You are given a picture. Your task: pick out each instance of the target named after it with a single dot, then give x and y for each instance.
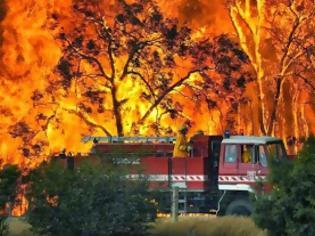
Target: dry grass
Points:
(207, 226)
(186, 226)
(18, 227)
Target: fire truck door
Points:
(229, 160)
(214, 154)
(248, 161)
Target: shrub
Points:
(8, 190)
(289, 208)
(89, 200)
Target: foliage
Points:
(232, 226)
(110, 50)
(89, 200)
(8, 190)
(289, 208)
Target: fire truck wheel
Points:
(240, 207)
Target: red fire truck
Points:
(218, 176)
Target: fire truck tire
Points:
(240, 207)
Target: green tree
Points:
(89, 200)
(289, 209)
(8, 190)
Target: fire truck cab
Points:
(244, 161)
(218, 176)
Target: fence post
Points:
(175, 204)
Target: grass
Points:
(186, 226)
(18, 227)
(207, 226)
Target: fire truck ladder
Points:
(182, 202)
(182, 190)
(135, 139)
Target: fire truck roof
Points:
(250, 139)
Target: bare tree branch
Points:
(88, 121)
(169, 90)
(137, 49)
(109, 39)
(306, 81)
(90, 58)
(144, 81)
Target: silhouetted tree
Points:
(112, 51)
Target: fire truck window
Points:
(230, 153)
(281, 152)
(262, 156)
(159, 154)
(248, 154)
(275, 151)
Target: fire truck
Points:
(218, 176)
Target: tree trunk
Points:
(261, 114)
(244, 20)
(296, 126)
(306, 131)
(116, 110)
(273, 115)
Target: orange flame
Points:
(48, 124)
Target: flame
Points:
(248, 27)
(21, 207)
(266, 37)
(34, 125)
(47, 124)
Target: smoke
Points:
(3, 10)
(200, 11)
(211, 14)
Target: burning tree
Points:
(129, 64)
(293, 43)
(278, 39)
(118, 68)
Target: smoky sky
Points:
(3, 10)
(198, 10)
(199, 13)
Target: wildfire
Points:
(20, 208)
(39, 117)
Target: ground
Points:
(18, 227)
